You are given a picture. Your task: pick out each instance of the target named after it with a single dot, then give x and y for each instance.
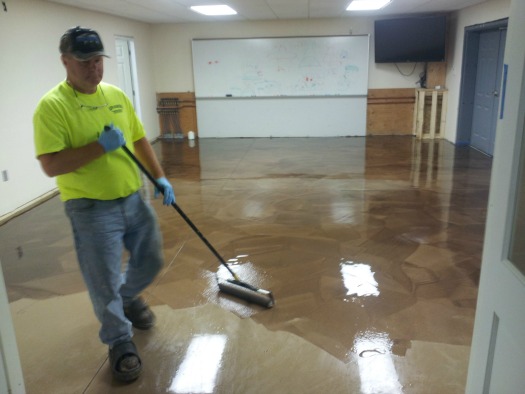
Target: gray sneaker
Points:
(139, 314)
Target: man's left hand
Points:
(169, 195)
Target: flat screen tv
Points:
(415, 39)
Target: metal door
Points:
(486, 96)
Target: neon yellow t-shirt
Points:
(60, 122)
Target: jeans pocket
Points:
(79, 205)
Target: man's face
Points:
(84, 75)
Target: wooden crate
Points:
(430, 113)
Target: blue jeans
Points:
(102, 229)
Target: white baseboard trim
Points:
(30, 205)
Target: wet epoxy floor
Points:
(371, 246)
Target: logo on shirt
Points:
(116, 109)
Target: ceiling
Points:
(177, 11)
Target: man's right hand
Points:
(111, 138)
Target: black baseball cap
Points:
(82, 43)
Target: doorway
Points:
(480, 84)
(127, 70)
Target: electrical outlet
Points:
(5, 177)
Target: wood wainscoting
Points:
(390, 111)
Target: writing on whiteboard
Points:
(300, 66)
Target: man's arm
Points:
(146, 155)
(70, 159)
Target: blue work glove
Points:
(169, 195)
(111, 138)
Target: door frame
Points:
(11, 376)
(469, 75)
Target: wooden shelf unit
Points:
(177, 113)
(430, 113)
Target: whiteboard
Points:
(282, 66)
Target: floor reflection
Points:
(201, 364)
(371, 247)
(377, 372)
(359, 279)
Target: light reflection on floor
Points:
(377, 372)
(201, 364)
(359, 279)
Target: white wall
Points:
(30, 65)
(485, 12)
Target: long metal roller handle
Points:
(179, 210)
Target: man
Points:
(79, 127)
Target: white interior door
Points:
(126, 70)
(125, 80)
(497, 360)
